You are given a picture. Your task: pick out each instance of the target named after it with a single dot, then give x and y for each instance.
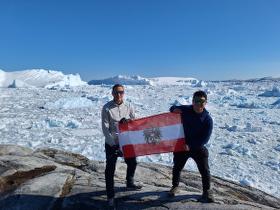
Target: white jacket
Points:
(112, 113)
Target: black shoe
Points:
(207, 197)
(111, 204)
(133, 186)
(174, 190)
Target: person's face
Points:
(118, 94)
(199, 104)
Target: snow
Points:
(174, 81)
(236, 150)
(18, 84)
(277, 148)
(182, 101)
(69, 103)
(276, 104)
(242, 128)
(39, 78)
(67, 81)
(244, 146)
(51, 123)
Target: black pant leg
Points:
(201, 158)
(111, 159)
(130, 171)
(179, 161)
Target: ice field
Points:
(244, 146)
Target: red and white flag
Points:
(152, 135)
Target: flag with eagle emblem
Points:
(152, 135)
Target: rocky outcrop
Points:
(53, 179)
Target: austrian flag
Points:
(152, 135)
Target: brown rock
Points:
(53, 179)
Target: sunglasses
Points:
(199, 100)
(118, 92)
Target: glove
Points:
(117, 151)
(172, 108)
(124, 120)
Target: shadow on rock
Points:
(93, 200)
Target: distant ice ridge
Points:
(137, 80)
(177, 81)
(275, 92)
(121, 79)
(55, 79)
(232, 97)
(39, 78)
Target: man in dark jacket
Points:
(198, 126)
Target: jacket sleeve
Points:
(131, 112)
(109, 138)
(204, 136)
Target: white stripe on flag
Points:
(170, 132)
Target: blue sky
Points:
(205, 39)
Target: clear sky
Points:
(205, 39)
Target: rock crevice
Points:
(12, 181)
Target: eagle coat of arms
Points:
(152, 135)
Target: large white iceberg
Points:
(38, 78)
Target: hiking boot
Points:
(111, 204)
(207, 197)
(132, 186)
(174, 190)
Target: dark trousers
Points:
(200, 156)
(111, 159)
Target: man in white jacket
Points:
(113, 112)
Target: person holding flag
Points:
(198, 125)
(114, 112)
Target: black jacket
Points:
(197, 127)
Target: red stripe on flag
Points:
(159, 120)
(134, 150)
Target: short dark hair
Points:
(116, 86)
(200, 94)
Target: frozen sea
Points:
(244, 146)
